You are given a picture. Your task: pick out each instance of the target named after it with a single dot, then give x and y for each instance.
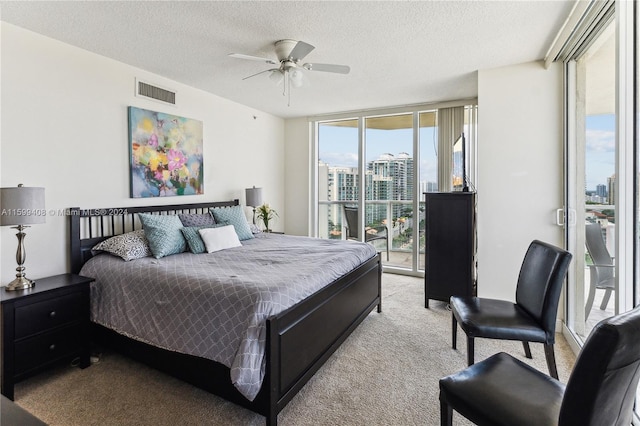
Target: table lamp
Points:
(21, 206)
(254, 199)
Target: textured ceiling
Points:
(400, 52)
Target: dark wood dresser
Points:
(44, 325)
(450, 252)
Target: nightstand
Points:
(44, 325)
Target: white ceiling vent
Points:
(150, 91)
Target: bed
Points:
(298, 339)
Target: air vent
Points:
(156, 93)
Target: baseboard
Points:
(571, 339)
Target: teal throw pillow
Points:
(235, 216)
(194, 240)
(163, 233)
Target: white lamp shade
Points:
(276, 76)
(253, 196)
(22, 206)
(296, 77)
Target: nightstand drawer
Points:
(47, 347)
(42, 316)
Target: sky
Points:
(339, 147)
(600, 150)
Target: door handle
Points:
(566, 217)
(560, 217)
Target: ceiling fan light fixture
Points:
(296, 77)
(276, 76)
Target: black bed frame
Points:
(299, 340)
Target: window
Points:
(382, 163)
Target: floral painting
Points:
(166, 154)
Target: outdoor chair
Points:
(601, 272)
(377, 233)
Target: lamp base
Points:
(20, 283)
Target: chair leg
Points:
(527, 349)
(446, 414)
(454, 332)
(470, 350)
(551, 360)
(605, 298)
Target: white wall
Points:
(64, 127)
(297, 176)
(520, 169)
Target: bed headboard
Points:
(88, 227)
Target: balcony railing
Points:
(396, 215)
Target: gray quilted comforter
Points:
(215, 305)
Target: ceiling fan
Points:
(290, 54)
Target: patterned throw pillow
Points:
(163, 233)
(235, 216)
(197, 219)
(129, 246)
(194, 240)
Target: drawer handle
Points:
(52, 314)
(52, 347)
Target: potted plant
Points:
(266, 214)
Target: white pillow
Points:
(216, 239)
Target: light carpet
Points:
(385, 373)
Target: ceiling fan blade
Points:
(300, 50)
(261, 72)
(340, 69)
(253, 58)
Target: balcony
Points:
(396, 216)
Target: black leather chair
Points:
(532, 318)
(601, 390)
(351, 217)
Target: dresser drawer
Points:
(44, 348)
(42, 316)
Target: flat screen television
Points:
(459, 173)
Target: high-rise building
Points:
(400, 170)
(611, 187)
(427, 187)
(601, 190)
(387, 178)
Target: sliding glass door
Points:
(592, 222)
(602, 168)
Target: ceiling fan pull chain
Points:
(286, 82)
(288, 90)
